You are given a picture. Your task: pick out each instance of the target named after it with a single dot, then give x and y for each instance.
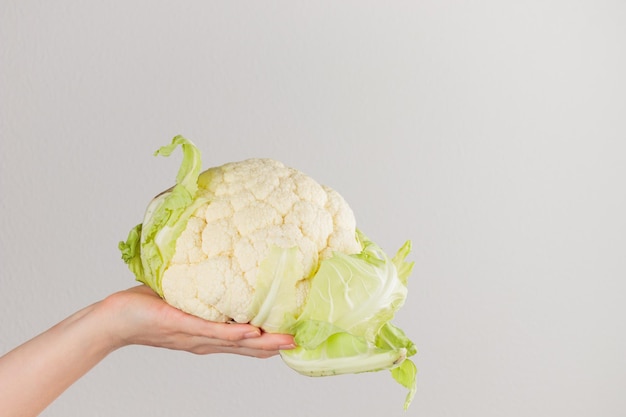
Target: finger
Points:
(224, 331)
(255, 353)
(264, 346)
(270, 341)
(184, 323)
(236, 350)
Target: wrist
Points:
(108, 314)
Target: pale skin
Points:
(34, 374)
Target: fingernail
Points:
(286, 347)
(250, 335)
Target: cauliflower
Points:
(251, 206)
(258, 242)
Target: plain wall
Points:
(489, 133)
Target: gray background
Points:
(489, 133)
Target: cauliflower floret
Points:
(252, 205)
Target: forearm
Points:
(37, 372)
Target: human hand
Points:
(139, 316)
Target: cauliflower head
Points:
(203, 242)
(258, 242)
(251, 206)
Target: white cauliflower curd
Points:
(251, 206)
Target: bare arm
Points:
(37, 372)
